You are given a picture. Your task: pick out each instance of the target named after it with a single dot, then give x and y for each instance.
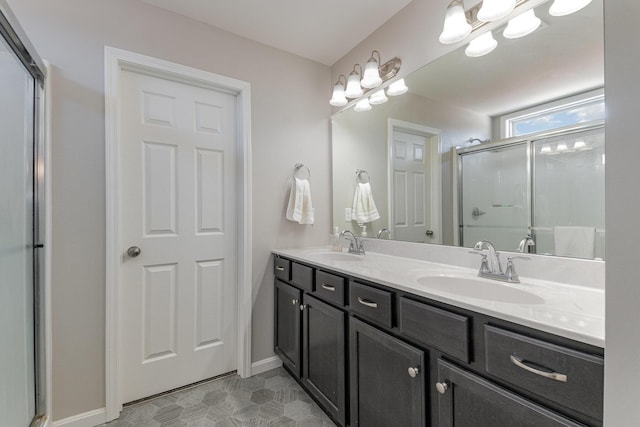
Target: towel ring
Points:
(362, 176)
(297, 169)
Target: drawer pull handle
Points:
(328, 287)
(551, 375)
(367, 302)
(278, 268)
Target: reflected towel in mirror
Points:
(574, 241)
(300, 208)
(364, 208)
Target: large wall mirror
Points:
(419, 155)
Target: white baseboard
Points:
(88, 419)
(265, 365)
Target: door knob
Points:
(442, 387)
(134, 251)
(413, 372)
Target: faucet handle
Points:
(510, 270)
(484, 262)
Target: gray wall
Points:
(421, 22)
(289, 124)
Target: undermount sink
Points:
(334, 256)
(481, 289)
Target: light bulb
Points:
(354, 90)
(493, 10)
(456, 27)
(522, 25)
(481, 45)
(338, 99)
(378, 97)
(362, 105)
(371, 76)
(566, 7)
(397, 88)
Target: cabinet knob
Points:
(302, 306)
(442, 387)
(294, 301)
(413, 372)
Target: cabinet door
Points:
(387, 379)
(287, 325)
(471, 401)
(324, 355)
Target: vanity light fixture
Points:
(397, 88)
(481, 45)
(521, 25)
(562, 147)
(338, 99)
(348, 89)
(378, 98)
(354, 90)
(456, 27)
(566, 7)
(579, 144)
(371, 78)
(492, 10)
(362, 105)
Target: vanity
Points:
(381, 340)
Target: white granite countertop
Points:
(570, 311)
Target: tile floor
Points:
(272, 398)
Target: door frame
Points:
(117, 61)
(435, 142)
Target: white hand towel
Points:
(364, 208)
(576, 242)
(300, 208)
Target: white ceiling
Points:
(321, 30)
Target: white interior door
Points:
(411, 187)
(177, 196)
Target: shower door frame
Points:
(21, 47)
(528, 140)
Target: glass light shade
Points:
(456, 27)
(354, 90)
(397, 88)
(566, 7)
(481, 45)
(371, 76)
(493, 10)
(579, 144)
(545, 148)
(562, 147)
(338, 99)
(378, 98)
(522, 25)
(362, 105)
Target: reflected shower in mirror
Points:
(406, 144)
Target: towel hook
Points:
(297, 168)
(360, 178)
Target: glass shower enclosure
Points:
(22, 401)
(549, 187)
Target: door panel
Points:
(177, 198)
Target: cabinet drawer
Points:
(330, 287)
(434, 327)
(372, 303)
(302, 276)
(282, 268)
(570, 378)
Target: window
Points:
(586, 108)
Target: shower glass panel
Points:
(17, 328)
(569, 191)
(494, 196)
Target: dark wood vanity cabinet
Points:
(375, 356)
(387, 379)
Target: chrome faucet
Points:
(490, 267)
(383, 230)
(525, 244)
(355, 244)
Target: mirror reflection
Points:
(497, 147)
